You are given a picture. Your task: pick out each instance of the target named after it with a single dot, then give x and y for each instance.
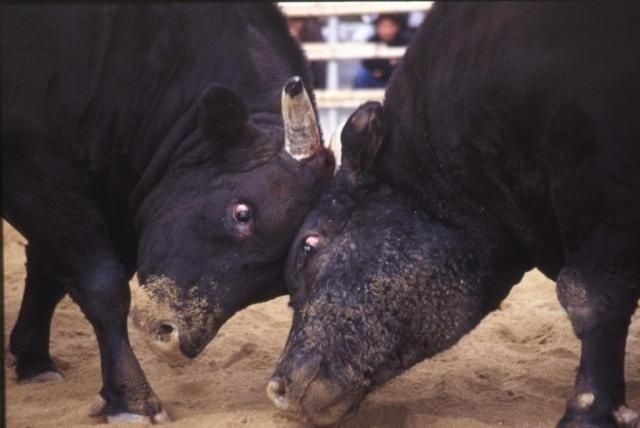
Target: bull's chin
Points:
(173, 351)
(310, 415)
(170, 352)
(330, 416)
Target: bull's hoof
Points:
(585, 421)
(44, 377)
(34, 372)
(621, 417)
(159, 418)
(128, 418)
(98, 408)
(625, 417)
(10, 359)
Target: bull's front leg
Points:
(600, 308)
(102, 292)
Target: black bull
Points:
(150, 138)
(509, 139)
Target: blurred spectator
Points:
(310, 30)
(414, 19)
(390, 29)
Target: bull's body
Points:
(524, 115)
(509, 141)
(112, 163)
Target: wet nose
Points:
(277, 393)
(303, 371)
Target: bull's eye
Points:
(310, 243)
(242, 213)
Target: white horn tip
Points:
(294, 86)
(335, 143)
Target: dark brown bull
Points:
(508, 140)
(152, 138)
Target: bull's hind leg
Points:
(600, 308)
(29, 341)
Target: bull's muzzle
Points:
(165, 329)
(312, 397)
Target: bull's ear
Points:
(222, 112)
(361, 137)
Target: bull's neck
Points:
(462, 275)
(131, 165)
(490, 258)
(471, 282)
(152, 158)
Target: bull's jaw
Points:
(177, 336)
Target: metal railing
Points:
(350, 50)
(336, 8)
(332, 99)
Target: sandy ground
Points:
(515, 370)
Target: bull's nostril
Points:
(278, 388)
(277, 393)
(166, 330)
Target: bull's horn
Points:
(301, 134)
(335, 143)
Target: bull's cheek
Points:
(360, 343)
(344, 337)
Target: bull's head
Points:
(215, 230)
(376, 283)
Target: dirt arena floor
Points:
(515, 370)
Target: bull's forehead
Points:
(276, 185)
(375, 214)
(333, 208)
(284, 181)
(375, 249)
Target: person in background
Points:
(390, 29)
(310, 30)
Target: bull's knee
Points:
(574, 297)
(594, 301)
(102, 285)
